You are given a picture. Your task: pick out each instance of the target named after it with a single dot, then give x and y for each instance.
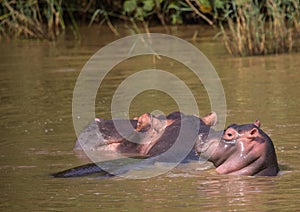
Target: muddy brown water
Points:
(37, 135)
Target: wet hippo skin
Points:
(242, 150)
(145, 136)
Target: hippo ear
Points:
(257, 123)
(97, 120)
(253, 133)
(210, 119)
(143, 122)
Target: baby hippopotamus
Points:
(242, 150)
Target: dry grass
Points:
(256, 28)
(29, 19)
(249, 27)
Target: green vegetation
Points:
(31, 19)
(248, 27)
(262, 27)
(46, 19)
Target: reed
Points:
(31, 19)
(46, 19)
(248, 27)
(261, 27)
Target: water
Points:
(37, 135)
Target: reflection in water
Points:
(234, 191)
(37, 136)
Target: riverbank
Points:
(247, 27)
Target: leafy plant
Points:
(249, 27)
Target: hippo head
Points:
(239, 150)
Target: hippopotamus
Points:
(238, 150)
(145, 136)
(242, 150)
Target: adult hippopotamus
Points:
(242, 150)
(146, 136)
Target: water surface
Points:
(37, 136)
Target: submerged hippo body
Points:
(145, 137)
(242, 150)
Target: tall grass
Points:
(261, 27)
(31, 19)
(249, 27)
(46, 19)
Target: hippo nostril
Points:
(229, 134)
